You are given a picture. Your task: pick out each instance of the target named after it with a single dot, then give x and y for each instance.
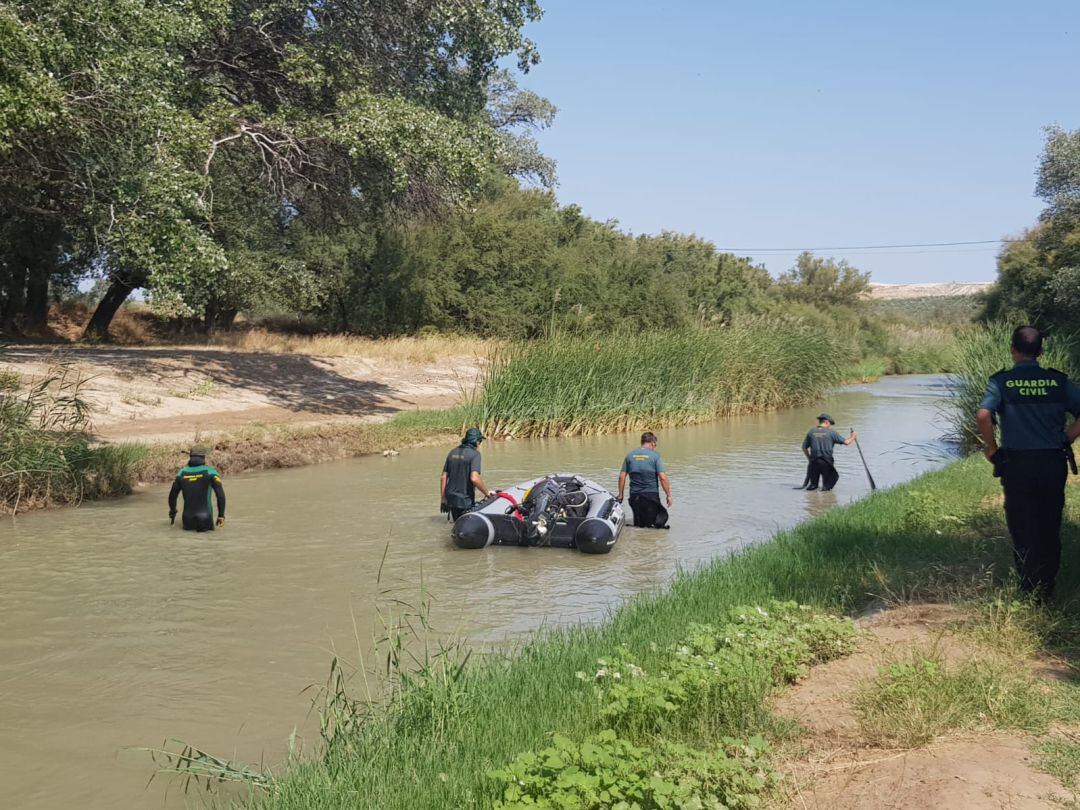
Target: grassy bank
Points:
(446, 729)
(271, 447)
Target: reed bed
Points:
(923, 349)
(980, 353)
(567, 386)
(46, 454)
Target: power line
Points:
(901, 252)
(864, 247)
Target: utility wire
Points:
(864, 247)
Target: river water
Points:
(118, 631)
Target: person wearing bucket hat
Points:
(196, 481)
(818, 449)
(461, 476)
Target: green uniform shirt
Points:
(644, 467)
(820, 440)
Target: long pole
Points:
(806, 478)
(868, 475)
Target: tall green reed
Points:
(572, 385)
(46, 450)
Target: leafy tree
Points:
(1039, 274)
(123, 120)
(520, 265)
(824, 282)
(1058, 176)
(515, 114)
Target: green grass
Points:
(1061, 759)
(869, 369)
(930, 358)
(573, 385)
(932, 538)
(922, 697)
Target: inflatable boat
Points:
(562, 510)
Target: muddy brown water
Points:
(118, 631)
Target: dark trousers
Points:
(1034, 484)
(649, 513)
(456, 511)
(821, 469)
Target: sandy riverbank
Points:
(169, 395)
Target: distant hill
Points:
(951, 289)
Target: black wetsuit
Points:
(196, 481)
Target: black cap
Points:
(825, 417)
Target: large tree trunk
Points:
(343, 314)
(36, 310)
(115, 296)
(15, 301)
(216, 317)
(226, 318)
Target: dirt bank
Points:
(169, 395)
(841, 764)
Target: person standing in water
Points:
(1031, 403)
(818, 449)
(461, 476)
(196, 481)
(645, 469)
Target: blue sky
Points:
(806, 124)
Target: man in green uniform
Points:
(1031, 403)
(196, 481)
(461, 476)
(645, 469)
(818, 448)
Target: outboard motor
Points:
(541, 510)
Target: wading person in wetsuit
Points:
(645, 469)
(818, 448)
(1030, 403)
(461, 476)
(196, 481)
